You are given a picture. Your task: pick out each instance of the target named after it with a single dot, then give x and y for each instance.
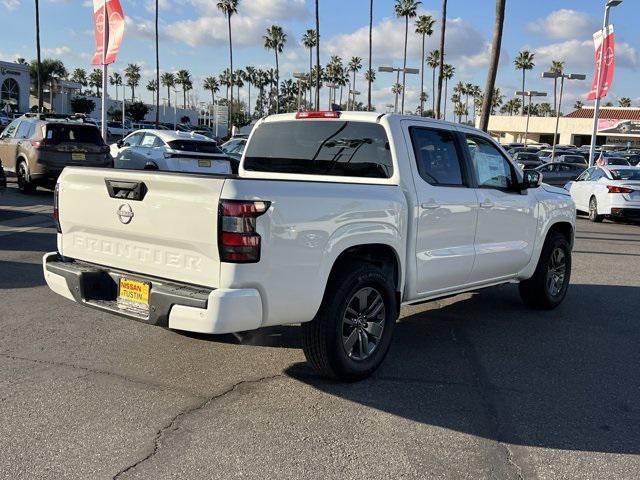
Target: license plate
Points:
(204, 163)
(133, 293)
(78, 156)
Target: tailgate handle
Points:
(126, 189)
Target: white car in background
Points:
(608, 191)
(170, 151)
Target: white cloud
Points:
(212, 31)
(580, 55)
(57, 51)
(564, 23)
(265, 10)
(150, 5)
(11, 4)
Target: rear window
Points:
(320, 147)
(574, 159)
(625, 174)
(63, 133)
(194, 146)
(528, 156)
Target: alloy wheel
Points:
(363, 323)
(556, 272)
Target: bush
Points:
(82, 105)
(137, 111)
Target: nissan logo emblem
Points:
(125, 213)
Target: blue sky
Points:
(193, 36)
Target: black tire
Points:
(24, 184)
(323, 339)
(540, 292)
(593, 211)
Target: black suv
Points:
(36, 147)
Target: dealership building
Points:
(14, 86)
(616, 126)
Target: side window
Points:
(157, 142)
(437, 156)
(23, 130)
(10, 131)
(148, 140)
(491, 168)
(545, 168)
(596, 175)
(132, 140)
(584, 176)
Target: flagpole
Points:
(105, 41)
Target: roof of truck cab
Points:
(372, 117)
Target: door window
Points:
(585, 175)
(491, 168)
(11, 129)
(132, 140)
(437, 156)
(596, 175)
(23, 130)
(148, 141)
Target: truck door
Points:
(9, 146)
(507, 220)
(447, 209)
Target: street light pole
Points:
(596, 108)
(561, 76)
(406, 70)
(529, 94)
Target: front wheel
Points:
(351, 333)
(546, 289)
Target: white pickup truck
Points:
(333, 221)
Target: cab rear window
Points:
(59, 133)
(320, 147)
(194, 146)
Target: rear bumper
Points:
(174, 305)
(629, 213)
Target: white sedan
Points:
(608, 191)
(170, 151)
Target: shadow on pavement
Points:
(20, 275)
(486, 366)
(30, 241)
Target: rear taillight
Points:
(56, 210)
(616, 189)
(38, 143)
(238, 241)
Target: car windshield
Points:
(194, 146)
(574, 159)
(625, 174)
(71, 133)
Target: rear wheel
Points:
(25, 185)
(593, 211)
(548, 286)
(351, 334)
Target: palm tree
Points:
(624, 102)
(355, 65)
(448, 71)
(318, 70)
(407, 9)
(578, 105)
(545, 110)
(249, 77)
(309, 40)
(38, 61)
(152, 86)
(476, 92)
(459, 109)
(79, 75)
(157, 80)
(183, 78)
(275, 40)
(396, 89)
(211, 84)
(556, 67)
(424, 27)
(433, 60)
(443, 23)
(115, 79)
(229, 7)
(524, 62)
(95, 80)
(132, 74)
(168, 80)
(496, 45)
(368, 75)
(239, 75)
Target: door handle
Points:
(429, 205)
(487, 204)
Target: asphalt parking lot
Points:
(474, 387)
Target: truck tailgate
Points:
(170, 232)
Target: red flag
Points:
(115, 31)
(605, 49)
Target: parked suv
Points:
(36, 147)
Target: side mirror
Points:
(531, 179)
(120, 143)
